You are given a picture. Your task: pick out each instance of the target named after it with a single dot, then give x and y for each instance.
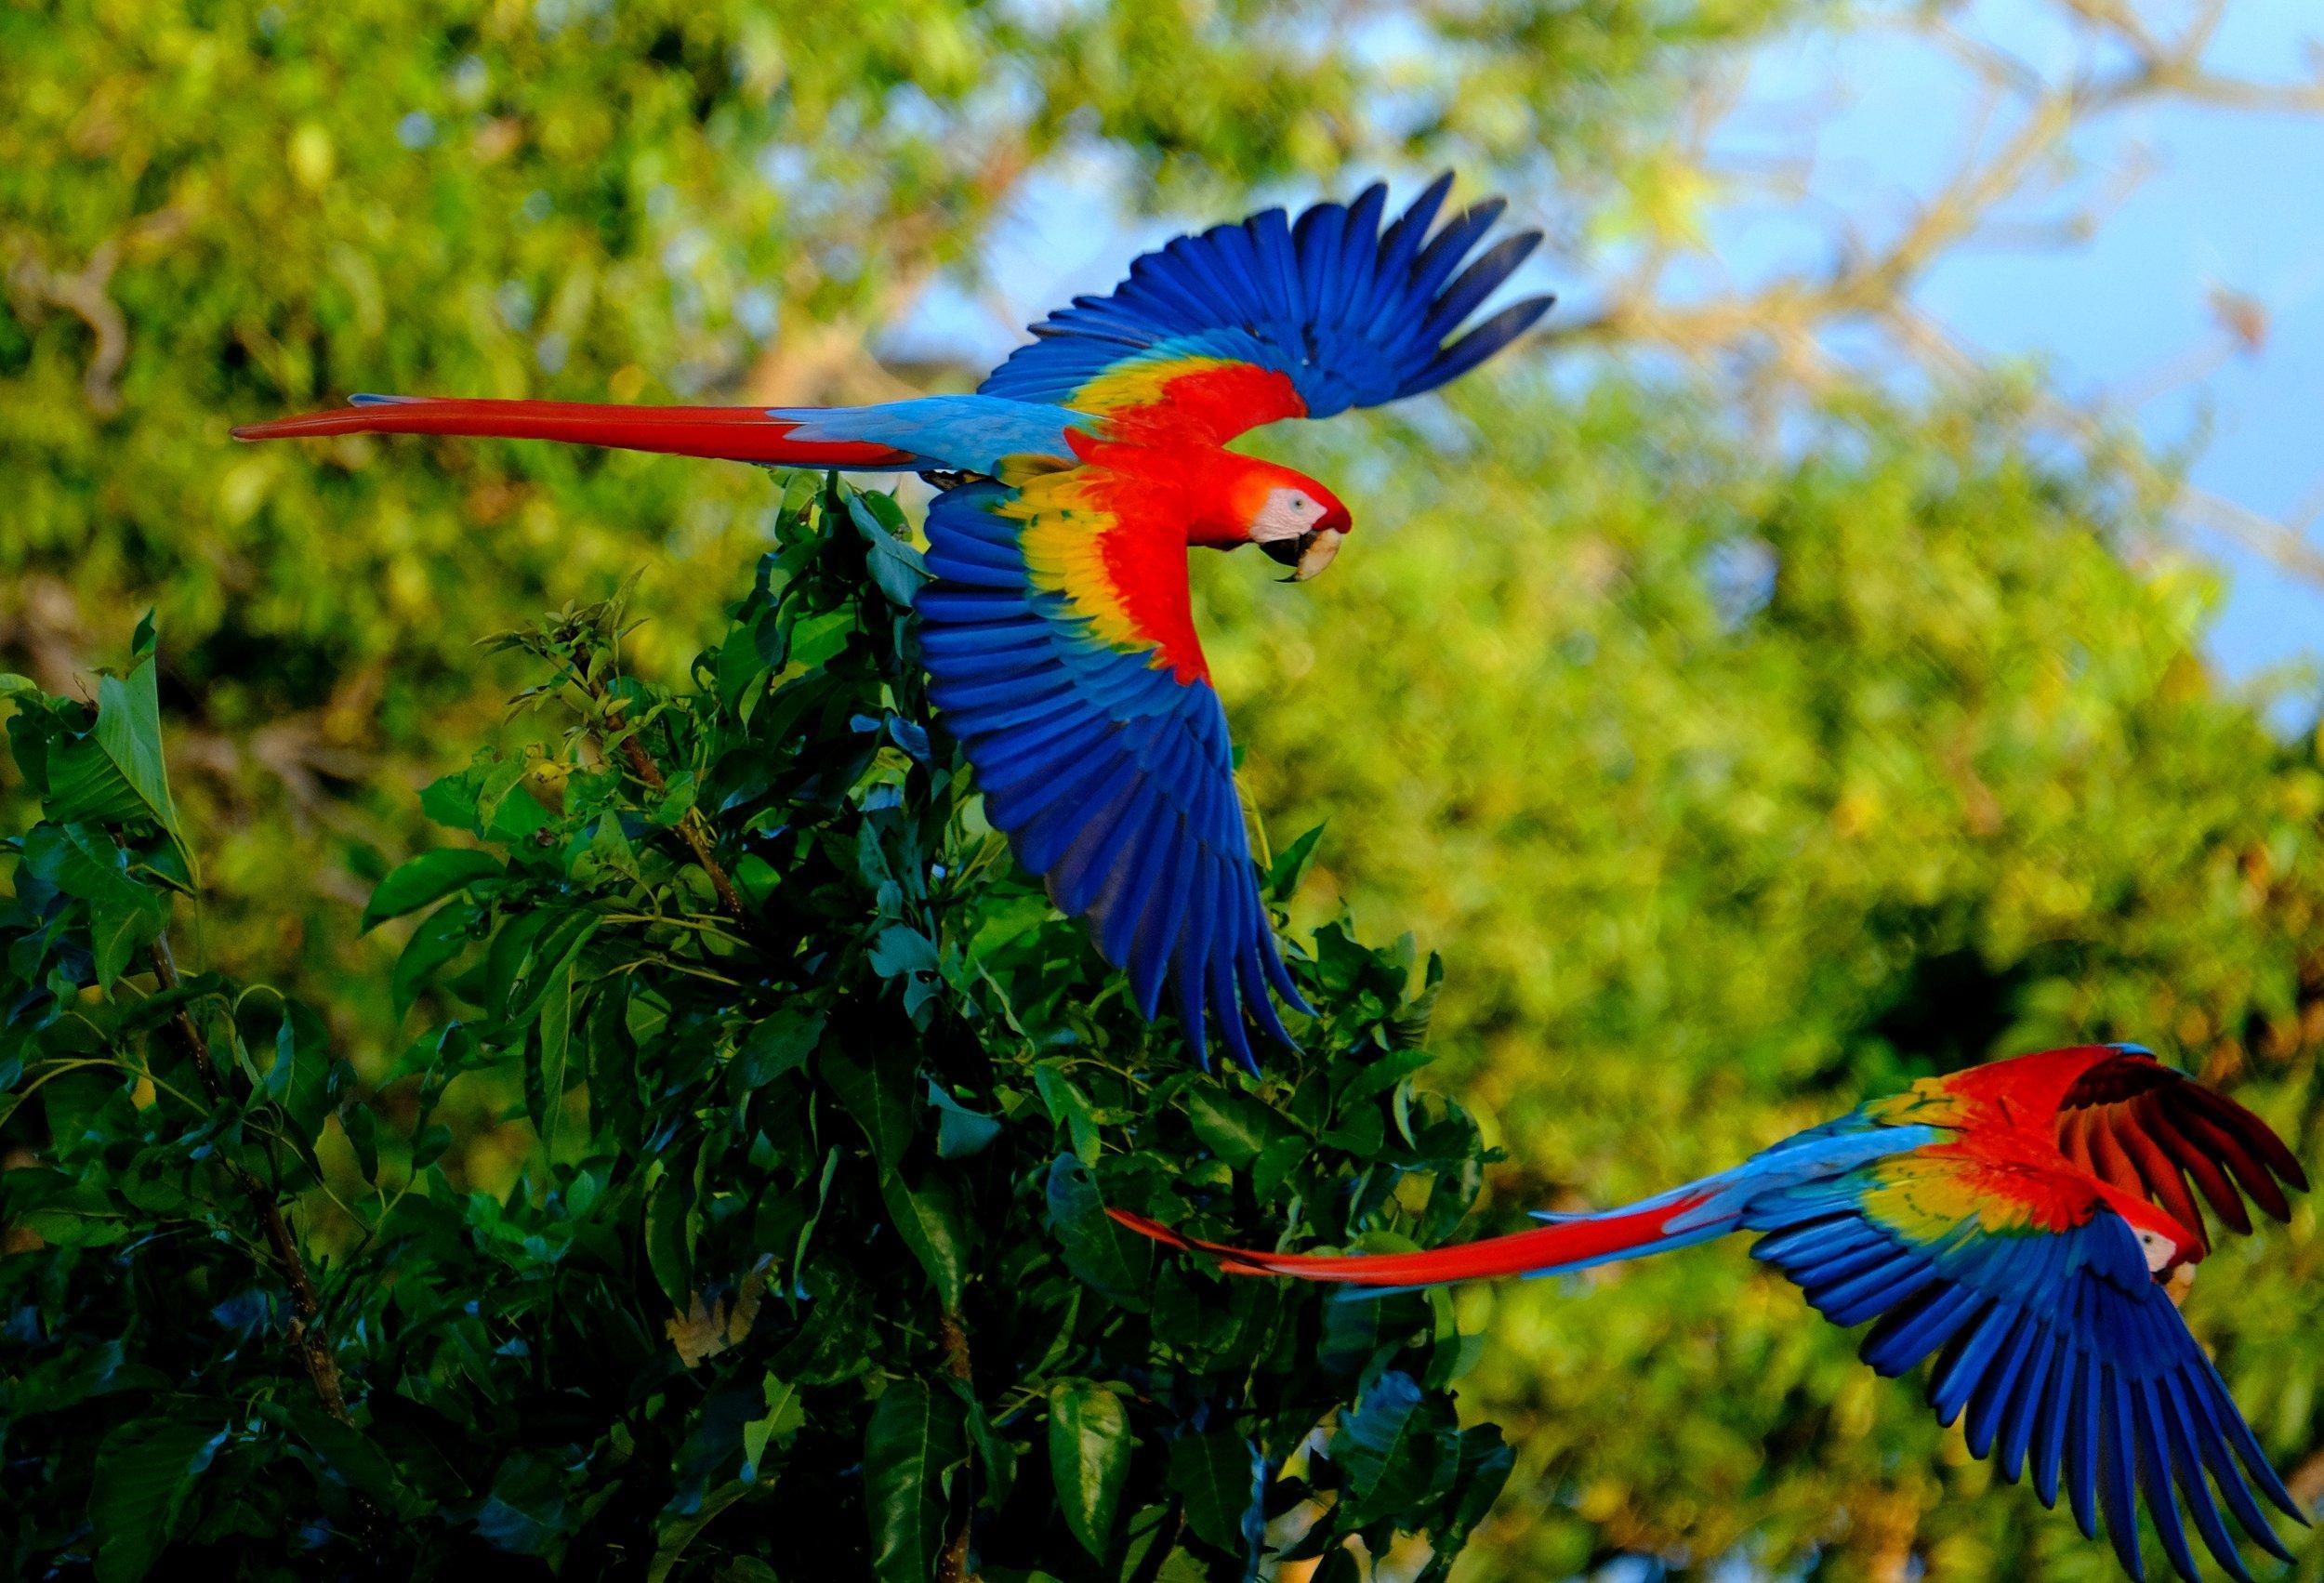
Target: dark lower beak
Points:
(1307, 554)
(1287, 551)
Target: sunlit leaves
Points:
(1089, 1455)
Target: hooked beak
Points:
(1307, 554)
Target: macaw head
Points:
(2167, 1246)
(1296, 520)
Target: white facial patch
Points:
(1287, 514)
(2159, 1249)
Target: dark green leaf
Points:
(1393, 1450)
(125, 916)
(896, 567)
(785, 1417)
(1068, 1106)
(1483, 1465)
(960, 1132)
(428, 878)
(1234, 1127)
(928, 1218)
(143, 1474)
(881, 1098)
(1291, 865)
(673, 1223)
(912, 1437)
(1218, 1477)
(1099, 1252)
(778, 1044)
(552, 1047)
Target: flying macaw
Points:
(1059, 634)
(2019, 1220)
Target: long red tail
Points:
(734, 434)
(1553, 1247)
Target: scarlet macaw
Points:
(2020, 1220)
(1059, 634)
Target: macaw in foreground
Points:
(2020, 1220)
(1059, 633)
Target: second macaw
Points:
(1059, 633)
(2018, 1222)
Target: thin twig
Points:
(693, 827)
(952, 1564)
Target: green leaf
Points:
(1481, 1470)
(673, 1223)
(1291, 865)
(1070, 1108)
(786, 1416)
(116, 774)
(144, 1471)
(679, 1531)
(1089, 1443)
(928, 1218)
(552, 1047)
(1218, 1476)
(1234, 1127)
(778, 1044)
(902, 949)
(895, 566)
(124, 916)
(302, 1075)
(881, 1099)
(913, 1436)
(1409, 1026)
(960, 1132)
(994, 1449)
(428, 878)
(441, 936)
(1097, 1252)
(1393, 1450)
(350, 1454)
(1355, 1334)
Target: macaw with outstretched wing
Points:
(1058, 632)
(2018, 1222)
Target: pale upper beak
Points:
(1307, 554)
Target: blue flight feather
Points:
(1353, 315)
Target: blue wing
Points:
(1351, 315)
(1113, 776)
(2058, 1345)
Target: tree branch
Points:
(952, 1564)
(693, 827)
(1776, 330)
(307, 1333)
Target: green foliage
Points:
(217, 213)
(1739, 788)
(807, 1236)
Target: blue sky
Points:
(2125, 320)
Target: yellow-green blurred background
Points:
(1750, 739)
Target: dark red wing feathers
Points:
(2136, 1125)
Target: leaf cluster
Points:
(811, 1106)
